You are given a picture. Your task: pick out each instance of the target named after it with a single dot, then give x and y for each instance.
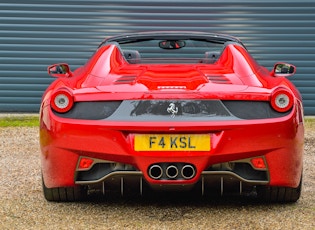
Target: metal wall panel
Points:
(35, 34)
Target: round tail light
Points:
(62, 101)
(282, 100)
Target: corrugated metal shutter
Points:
(35, 34)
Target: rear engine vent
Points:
(126, 80)
(218, 79)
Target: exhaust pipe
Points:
(188, 172)
(171, 171)
(155, 172)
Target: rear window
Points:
(171, 51)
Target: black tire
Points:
(64, 194)
(279, 194)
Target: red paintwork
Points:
(63, 141)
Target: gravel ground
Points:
(22, 205)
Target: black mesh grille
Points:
(252, 109)
(94, 110)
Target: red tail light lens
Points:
(62, 101)
(282, 100)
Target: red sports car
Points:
(172, 111)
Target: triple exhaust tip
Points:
(172, 172)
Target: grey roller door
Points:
(35, 34)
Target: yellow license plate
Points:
(172, 142)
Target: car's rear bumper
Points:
(63, 141)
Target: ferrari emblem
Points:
(172, 109)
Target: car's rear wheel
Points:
(64, 194)
(279, 194)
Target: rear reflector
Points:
(258, 163)
(85, 163)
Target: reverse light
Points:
(62, 101)
(281, 100)
(258, 163)
(85, 163)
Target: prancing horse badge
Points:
(172, 109)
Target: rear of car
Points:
(177, 112)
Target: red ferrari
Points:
(172, 111)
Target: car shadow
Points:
(177, 199)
